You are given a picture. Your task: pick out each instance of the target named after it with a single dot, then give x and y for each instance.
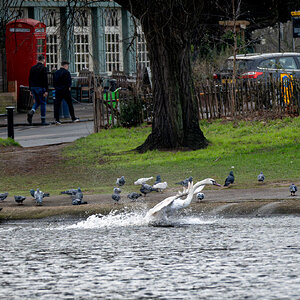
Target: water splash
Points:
(127, 218)
(113, 219)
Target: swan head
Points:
(207, 181)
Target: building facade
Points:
(100, 36)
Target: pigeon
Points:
(200, 196)
(19, 199)
(261, 177)
(230, 179)
(3, 196)
(134, 196)
(185, 182)
(146, 189)
(120, 181)
(161, 186)
(70, 192)
(46, 195)
(117, 190)
(158, 179)
(38, 196)
(293, 189)
(142, 180)
(32, 192)
(77, 198)
(116, 195)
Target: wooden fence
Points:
(247, 97)
(121, 108)
(244, 98)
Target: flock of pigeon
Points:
(37, 195)
(77, 195)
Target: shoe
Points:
(29, 117)
(57, 123)
(75, 120)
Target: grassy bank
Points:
(95, 162)
(7, 143)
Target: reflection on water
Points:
(120, 257)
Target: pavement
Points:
(37, 135)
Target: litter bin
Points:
(25, 100)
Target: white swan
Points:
(174, 203)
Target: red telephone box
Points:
(25, 40)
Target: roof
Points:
(263, 55)
(28, 21)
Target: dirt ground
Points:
(24, 160)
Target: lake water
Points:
(120, 257)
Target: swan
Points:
(174, 203)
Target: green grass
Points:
(8, 142)
(94, 162)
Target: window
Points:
(82, 40)
(142, 53)
(51, 17)
(268, 64)
(287, 63)
(113, 43)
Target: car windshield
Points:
(241, 65)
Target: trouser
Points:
(39, 100)
(60, 95)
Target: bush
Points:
(131, 111)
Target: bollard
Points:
(10, 121)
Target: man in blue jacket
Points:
(62, 82)
(38, 84)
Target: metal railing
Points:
(10, 121)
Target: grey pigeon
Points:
(120, 181)
(185, 182)
(261, 177)
(200, 196)
(134, 196)
(70, 192)
(116, 195)
(146, 189)
(32, 192)
(3, 196)
(158, 180)
(117, 190)
(19, 199)
(293, 189)
(230, 179)
(77, 198)
(38, 196)
(46, 195)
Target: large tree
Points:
(168, 26)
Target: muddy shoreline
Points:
(224, 202)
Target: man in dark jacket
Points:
(38, 84)
(62, 82)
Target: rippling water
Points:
(120, 257)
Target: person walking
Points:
(62, 82)
(38, 85)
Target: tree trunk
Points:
(175, 121)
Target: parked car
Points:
(258, 66)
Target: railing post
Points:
(10, 121)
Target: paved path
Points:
(31, 136)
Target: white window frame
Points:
(82, 49)
(53, 52)
(113, 40)
(141, 49)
